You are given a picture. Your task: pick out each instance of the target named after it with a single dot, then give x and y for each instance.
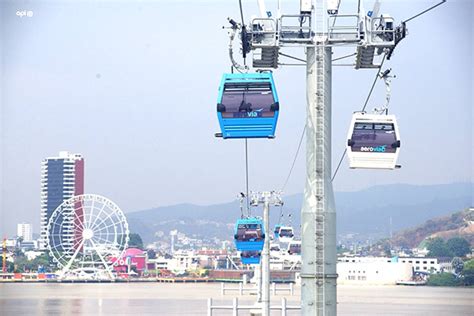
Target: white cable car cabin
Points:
(294, 247)
(373, 141)
(274, 247)
(286, 234)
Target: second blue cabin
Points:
(247, 106)
(250, 257)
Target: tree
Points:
(457, 265)
(438, 248)
(443, 279)
(468, 272)
(151, 253)
(135, 241)
(10, 267)
(387, 250)
(44, 261)
(458, 246)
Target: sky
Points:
(132, 85)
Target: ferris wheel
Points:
(85, 234)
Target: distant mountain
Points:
(361, 212)
(459, 224)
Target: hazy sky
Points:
(132, 85)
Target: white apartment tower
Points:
(25, 231)
(62, 177)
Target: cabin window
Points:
(373, 137)
(248, 100)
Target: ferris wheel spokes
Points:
(84, 234)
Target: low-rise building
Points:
(373, 272)
(383, 270)
(422, 264)
(25, 231)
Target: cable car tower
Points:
(318, 27)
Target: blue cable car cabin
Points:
(249, 234)
(276, 231)
(247, 106)
(250, 257)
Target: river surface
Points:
(191, 299)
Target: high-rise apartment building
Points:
(62, 177)
(24, 231)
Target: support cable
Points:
(363, 109)
(294, 160)
(338, 5)
(281, 214)
(304, 61)
(293, 57)
(339, 164)
(346, 56)
(373, 84)
(244, 36)
(241, 12)
(238, 67)
(425, 11)
(247, 177)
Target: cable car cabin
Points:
(276, 231)
(275, 247)
(249, 234)
(373, 141)
(286, 234)
(250, 257)
(294, 248)
(247, 106)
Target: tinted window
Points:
(373, 137)
(250, 254)
(247, 100)
(249, 232)
(286, 232)
(295, 248)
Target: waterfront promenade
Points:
(190, 299)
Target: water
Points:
(191, 299)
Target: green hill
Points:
(459, 224)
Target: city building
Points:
(24, 231)
(382, 270)
(62, 177)
(132, 262)
(423, 264)
(29, 245)
(373, 272)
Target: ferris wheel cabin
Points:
(373, 141)
(247, 106)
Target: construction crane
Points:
(4, 255)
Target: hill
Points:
(365, 212)
(459, 224)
